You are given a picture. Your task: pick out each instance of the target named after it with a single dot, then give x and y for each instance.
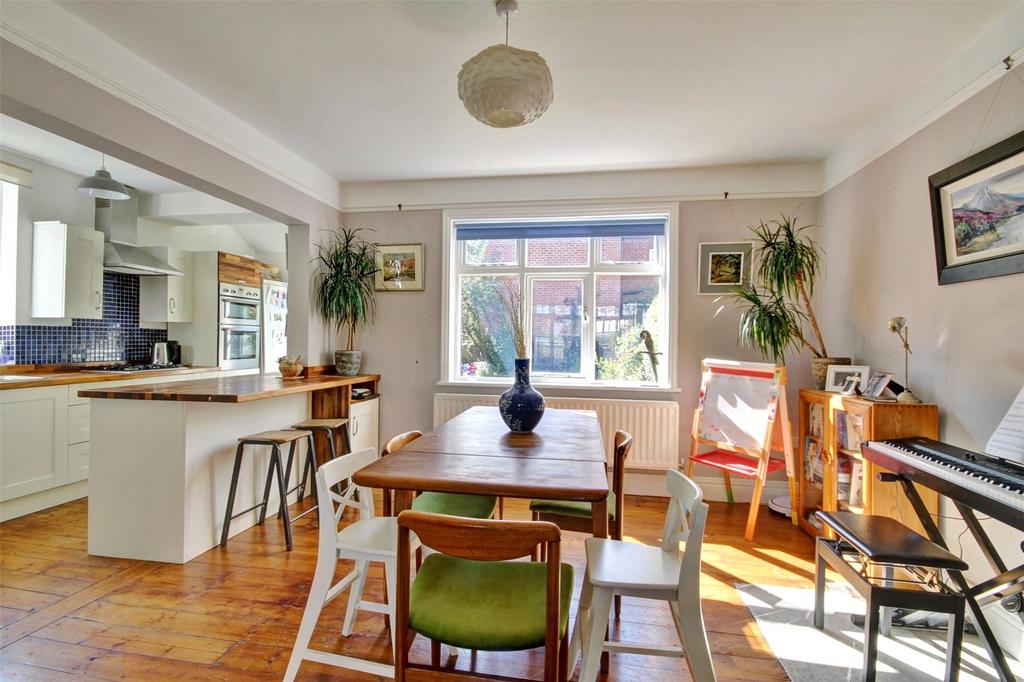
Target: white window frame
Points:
(452, 262)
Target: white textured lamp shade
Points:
(506, 87)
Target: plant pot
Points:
(348, 362)
(819, 368)
(521, 406)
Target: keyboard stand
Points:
(1005, 583)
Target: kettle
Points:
(161, 356)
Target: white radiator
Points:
(654, 424)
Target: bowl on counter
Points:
(290, 368)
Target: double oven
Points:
(240, 318)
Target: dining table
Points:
(563, 458)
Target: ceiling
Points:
(61, 152)
(367, 90)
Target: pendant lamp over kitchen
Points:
(504, 86)
(102, 186)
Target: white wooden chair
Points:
(620, 568)
(367, 539)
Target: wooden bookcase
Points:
(831, 472)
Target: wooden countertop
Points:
(60, 378)
(237, 389)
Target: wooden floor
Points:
(232, 614)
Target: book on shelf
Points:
(841, 429)
(857, 484)
(854, 432)
(815, 418)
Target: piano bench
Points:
(865, 539)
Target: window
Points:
(587, 285)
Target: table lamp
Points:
(898, 326)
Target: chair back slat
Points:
(400, 441)
(685, 521)
(480, 539)
(623, 444)
(333, 505)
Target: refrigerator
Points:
(275, 319)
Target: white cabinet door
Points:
(33, 440)
(364, 424)
(67, 271)
(168, 299)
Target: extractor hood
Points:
(120, 229)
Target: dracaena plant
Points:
(777, 303)
(344, 294)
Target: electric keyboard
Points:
(988, 484)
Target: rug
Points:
(784, 615)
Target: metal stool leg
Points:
(266, 489)
(309, 470)
(871, 618)
(819, 585)
(283, 506)
(283, 492)
(231, 495)
(954, 642)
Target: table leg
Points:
(599, 514)
(401, 500)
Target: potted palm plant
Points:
(777, 303)
(344, 294)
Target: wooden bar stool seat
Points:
(326, 427)
(322, 423)
(865, 542)
(275, 439)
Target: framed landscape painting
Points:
(723, 266)
(399, 267)
(978, 214)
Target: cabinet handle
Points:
(355, 426)
(172, 305)
(97, 301)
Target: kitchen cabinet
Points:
(364, 424)
(33, 440)
(67, 271)
(164, 298)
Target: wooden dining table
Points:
(475, 453)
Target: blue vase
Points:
(521, 406)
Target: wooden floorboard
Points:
(232, 614)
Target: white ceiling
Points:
(367, 90)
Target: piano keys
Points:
(974, 482)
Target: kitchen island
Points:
(162, 456)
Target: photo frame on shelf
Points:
(877, 383)
(723, 266)
(399, 267)
(978, 214)
(838, 374)
(850, 385)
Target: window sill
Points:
(542, 385)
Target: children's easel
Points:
(742, 414)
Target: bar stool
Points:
(327, 427)
(275, 439)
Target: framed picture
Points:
(723, 266)
(877, 384)
(850, 385)
(978, 214)
(838, 374)
(399, 267)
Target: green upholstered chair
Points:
(452, 504)
(470, 594)
(577, 515)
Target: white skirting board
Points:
(28, 504)
(652, 484)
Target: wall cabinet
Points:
(364, 424)
(67, 271)
(168, 299)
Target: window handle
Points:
(586, 315)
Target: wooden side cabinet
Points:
(833, 474)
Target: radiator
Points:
(654, 424)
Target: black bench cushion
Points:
(885, 540)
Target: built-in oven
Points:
(239, 346)
(239, 305)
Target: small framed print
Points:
(723, 266)
(838, 374)
(399, 267)
(877, 384)
(850, 385)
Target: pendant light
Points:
(102, 186)
(504, 86)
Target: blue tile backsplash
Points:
(115, 338)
